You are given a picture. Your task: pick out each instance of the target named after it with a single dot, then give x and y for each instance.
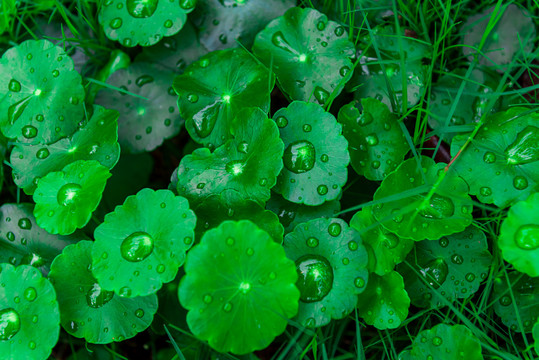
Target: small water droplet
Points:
(116, 23)
(322, 190)
(14, 85)
(520, 182)
(372, 139)
(25, 224)
(227, 307)
(339, 31)
(29, 131)
(281, 121)
(312, 242)
(334, 229)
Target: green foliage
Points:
(214, 89)
(248, 302)
(315, 155)
(142, 243)
(331, 262)
(134, 22)
(29, 315)
(309, 54)
(90, 312)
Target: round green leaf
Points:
(23, 242)
(42, 93)
(384, 303)
(214, 210)
(519, 296)
(399, 73)
(452, 267)
(470, 105)
(87, 310)
(385, 248)
(29, 316)
(519, 236)
(225, 23)
(511, 37)
(331, 262)
(309, 54)
(376, 147)
(96, 139)
(174, 53)
(315, 156)
(244, 168)
(249, 297)
(500, 164)
(143, 124)
(291, 214)
(142, 243)
(209, 100)
(144, 22)
(406, 209)
(66, 199)
(444, 342)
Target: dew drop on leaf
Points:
(29, 131)
(30, 294)
(137, 246)
(67, 195)
(334, 229)
(322, 190)
(281, 121)
(315, 279)
(435, 272)
(525, 148)
(116, 23)
(321, 95)
(278, 40)
(439, 207)
(299, 156)
(14, 85)
(25, 224)
(312, 242)
(520, 182)
(457, 259)
(527, 237)
(10, 323)
(141, 9)
(489, 157)
(97, 297)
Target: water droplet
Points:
(39, 117)
(160, 268)
(439, 207)
(505, 300)
(15, 111)
(249, 252)
(14, 85)
(299, 156)
(334, 229)
(68, 193)
(520, 182)
(143, 80)
(322, 190)
(321, 25)
(435, 272)
(25, 224)
(10, 236)
(32, 345)
(281, 121)
(168, 24)
(29, 131)
(137, 246)
(230, 241)
(142, 9)
(527, 237)
(443, 242)
(339, 31)
(489, 157)
(204, 120)
(97, 297)
(437, 341)
(227, 307)
(207, 299)
(116, 23)
(344, 71)
(375, 164)
(485, 191)
(315, 279)
(187, 4)
(243, 147)
(307, 128)
(30, 294)
(321, 95)
(235, 167)
(372, 139)
(279, 40)
(125, 291)
(457, 259)
(470, 277)
(359, 282)
(139, 313)
(312, 242)
(201, 186)
(352, 245)
(525, 148)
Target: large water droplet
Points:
(527, 237)
(14, 85)
(25, 223)
(439, 207)
(315, 277)
(67, 195)
(97, 297)
(372, 139)
(30, 294)
(29, 131)
(143, 80)
(299, 156)
(435, 272)
(279, 40)
(141, 8)
(205, 119)
(15, 111)
(42, 153)
(321, 95)
(10, 323)
(137, 246)
(334, 229)
(520, 182)
(525, 148)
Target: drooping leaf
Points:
(29, 315)
(471, 104)
(214, 89)
(375, 139)
(512, 36)
(143, 22)
(385, 248)
(87, 310)
(408, 209)
(398, 75)
(525, 292)
(519, 236)
(331, 262)
(143, 124)
(453, 266)
(142, 243)
(42, 93)
(501, 164)
(66, 199)
(315, 156)
(244, 168)
(225, 23)
(291, 214)
(248, 301)
(23, 242)
(309, 54)
(96, 139)
(384, 303)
